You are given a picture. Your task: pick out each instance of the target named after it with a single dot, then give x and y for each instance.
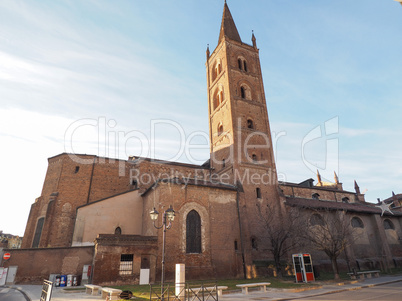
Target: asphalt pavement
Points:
(33, 292)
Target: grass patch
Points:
(393, 271)
(141, 292)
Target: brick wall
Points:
(35, 265)
(109, 249)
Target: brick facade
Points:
(225, 193)
(34, 265)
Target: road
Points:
(386, 292)
(9, 294)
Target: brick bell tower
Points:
(240, 137)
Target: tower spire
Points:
(318, 178)
(228, 26)
(254, 40)
(357, 188)
(336, 178)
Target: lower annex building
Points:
(94, 211)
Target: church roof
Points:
(228, 26)
(331, 205)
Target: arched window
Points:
(345, 199)
(236, 247)
(218, 98)
(315, 196)
(254, 243)
(242, 64)
(388, 224)
(316, 220)
(243, 92)
(220, 129)
(258, 192)
(223, 163)
(254, 157)
(218, 69)
(250, 124)
(38, 232)
(117, 231)
(357, 222)
(193, 232)
(77, 169)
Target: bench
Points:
(261, 285)
(364, 274)
(210, 289)
(126, 295)
(109, 293)
(92, 289)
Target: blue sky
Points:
(128, 63)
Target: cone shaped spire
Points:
(318, 177)
(228, 26)
(357, 188)
(336, 178)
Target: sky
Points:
(119, 78)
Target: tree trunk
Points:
(335, 268)
(278, 265)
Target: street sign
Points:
(6, 256)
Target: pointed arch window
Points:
(388, 225)
(193, 232)
(38, 232)
(117, 231)
(250, 124)
(254, 157)
(239, 63)
(245, 66)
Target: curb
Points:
(21, 291)
(338, 291)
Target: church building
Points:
(93, 214)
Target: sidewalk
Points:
(59, 294)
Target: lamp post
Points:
(167, 219)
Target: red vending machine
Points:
(303, 266)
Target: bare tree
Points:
(281, 230)
(330, 232)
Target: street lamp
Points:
(167, 219)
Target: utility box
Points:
(303, 266)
